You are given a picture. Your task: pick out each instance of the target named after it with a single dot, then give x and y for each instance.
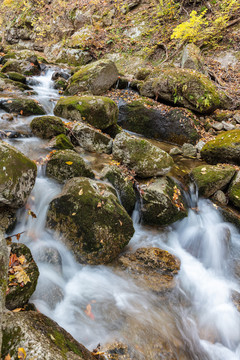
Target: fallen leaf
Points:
(99, 204)
(21, 275)
(17, 310)
(21, 112)
(88, 312)
(80, 192)
(21, 354)
(69, 162)
(8, 357)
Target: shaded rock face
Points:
(121, 179)
(61, 142)
(47, 127)
(96, 77)
(3, 278)
(41, 336)
(19, 294)
(59, 54)
(152, 266)
(176, 125)
(224, 148)
(22, 106)
(192, 59)
(9, 86)
(22, 66)
(100, 112)
(66, 164)
(186, 88)
(92, 139)
(162, 202)
(141, 156)
(97, 238)
(209, 178)
(234, 191)
(17, 176)
(7, 218)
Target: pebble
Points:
(228, 126)
(217, 126)
(189, 150)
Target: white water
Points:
(199, 321)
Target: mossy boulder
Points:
(24, 67)
(162, 202)
(100, 112)
(210, 178)
(17, 176)
(17, 77)
(66, 164)
(42, 338)
(225, 148)
(141, 156)
(95, 77)
(4, 259)
(186, 88)
(153, 267)
(91, 139)
(192, 59)
(7, 218)
(10, 87)
(122, 180)
(47, 127)
(234, 191)
(61, 142)
(91, 220)
(22, 106)
(174, 125)
(23, 275)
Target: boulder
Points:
(225, 148)
(17, 177)
(61, 142)
(47, 127)
(174, 125)
(100, 112)
(22, 106)
(7, 218)
(122, 180)
(15, 76)
(210, 178)
(3, 278)
(91, 220)
(9, 86)
(184, 87)
(40, 337)
(234, 190)
(66, 164)
(189, 150)
(192, 59)
(162, 202)
(22, 276)
(59, 54)
(24, 67)
(97, 77)
(141, 156)
(153, 267)
(91, 139)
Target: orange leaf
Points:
(8, 357)
(17, 310)
(88, 312)
(21, 354)
(21, 112)
(12, 260)
(99, 204)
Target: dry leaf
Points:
(21, 354)
(17, 310)
(21, 259)
(69, 162)
(99, 204)
(8, 357)
(21, 275)
(80, 192)
(88, 312)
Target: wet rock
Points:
(192, 59)
(173, 125)
(3, 278)
(22, 106)
(50, 256)
(122, 181)
(7, 117)
(220, 197)
(187, 88)
(47, 127)
(100, 112)
(92, 139)
(23, 275)
(61, 142)
(41, 336)
(234, 190)
(175, 151)
(7, 218)
(9, 86)
(162, 202)
(225, 148)
(209, 178)
(26, 68)
(117, 351)
(189, 150)
(97, 77)
(17, 176)
(153, 267)
(60, 84)
(66, 164)
(60, 75)
(16, 77)
(141, 156)
(95, 239)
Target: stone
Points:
(18, 295)
(97, 77)
(24, 67)
(189, 150)
(3, 278)
(228, 126)
(192, 59)
(65, 55)
(142, 73)
(225, 148)
(61, 142)
(122, 180)
(217, 126)
(16, 77)
(41, 336)
(234, 190)
(11, 87)
(100, 112)
(94, 239)
(153, 267)
(91, 139)
(210, 178)
(66, 164)
(141, 156)
(162, 202)
(236, 117)
(7, 218)
(174, 125)
(22, 106)
(175, 151)
(47, 127)
(17, 177)
(220, 197)
(187, 88)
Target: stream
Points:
(197, 321)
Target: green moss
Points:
(8, 340)
(16, 77)
(47, 127)
(63, 142)
(64, 344)
(23, 106)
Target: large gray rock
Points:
(3, 278)
(17, 177)
(24, 67)
(47, 127)
(22, 106)
(59, 54)
(234, 190)
(91, 220)
(141, 156)
(192, 59)
(40, 337)
(96, 77)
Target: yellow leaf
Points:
(22, 353)
(80, 192)
(21, 275)
(69, 162)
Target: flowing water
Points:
(197, 321)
